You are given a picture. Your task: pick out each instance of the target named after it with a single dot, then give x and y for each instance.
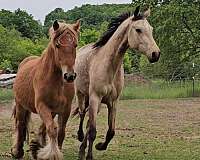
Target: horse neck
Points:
(117, 46)
(49, 68)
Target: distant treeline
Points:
(176, 31)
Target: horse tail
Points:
(13, 115)
(77, 111)
(27, 120)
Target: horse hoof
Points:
(17, 154)
(80, 136)
(100, 146)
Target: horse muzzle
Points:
(154, 57)
(70, 77)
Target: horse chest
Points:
(56, 101)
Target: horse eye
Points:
(138, 30)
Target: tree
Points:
(23, 22)
(14, 48)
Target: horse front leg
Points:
(62, 121)
(40, 140)
(111, 124)
(94, 103)
(51, 150)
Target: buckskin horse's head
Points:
(64, 39)
(140, 35)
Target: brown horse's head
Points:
(140, 36)
(64, 38)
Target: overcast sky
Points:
(40, 8)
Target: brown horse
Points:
(44, 85)
(100, 75)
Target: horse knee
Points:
(52, 130)
(92, 133)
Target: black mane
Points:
(112, 27)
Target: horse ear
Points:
(77, 25)
(55, 25)
(137, 10)
(147, 13)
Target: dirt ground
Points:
(145, 130)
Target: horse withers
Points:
(44, 85)
(100, 76)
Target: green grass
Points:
(5, 94)
(160, 90)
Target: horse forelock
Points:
(62, 28)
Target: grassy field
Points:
(146, 130)
(5, 94)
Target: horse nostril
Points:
(70, 77)
(65, 76)
(153, 55)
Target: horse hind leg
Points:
(83, 145)
(83, 110)
(111, 124)
(51, 151)
(22, 118)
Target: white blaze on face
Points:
(64, 69)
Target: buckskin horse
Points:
(100, 76)
(44, 85)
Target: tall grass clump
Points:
(160, 90)
(6, 94)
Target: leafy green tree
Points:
(57, 14)
(23, 22)
(14, 48)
